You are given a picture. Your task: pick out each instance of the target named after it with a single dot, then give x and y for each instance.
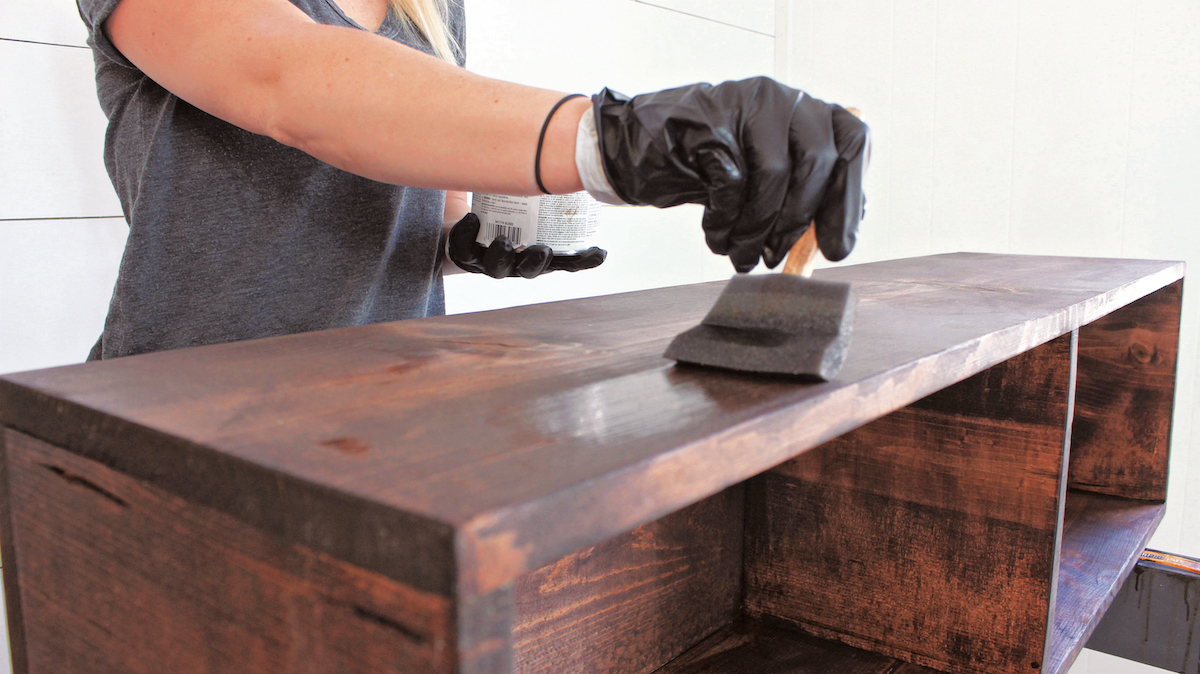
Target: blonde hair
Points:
(430, 18)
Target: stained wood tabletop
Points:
(419, 448)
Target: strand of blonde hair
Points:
(429, 17)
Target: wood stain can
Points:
(564, 222)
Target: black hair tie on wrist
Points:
(537, 160)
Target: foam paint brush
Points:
(783, 323)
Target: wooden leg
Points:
(929, 535)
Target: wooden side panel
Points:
(633, 603)
(1125, 398)
(117, 576)
(12, 594)
(928, 535)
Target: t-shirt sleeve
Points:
(94, 13)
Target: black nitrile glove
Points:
(501, 259)
(764, 159)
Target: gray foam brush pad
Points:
(775, 323)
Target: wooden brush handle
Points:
(803, 254)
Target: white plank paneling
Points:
(850, 63)
(1160, 215)
(908, 140)
(53, 21)
(755, 15)
(1071, 126)
(56, 280)
(51, 135)
(973, 115)
(628, 46)
(1187, 491)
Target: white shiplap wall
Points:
(1059, 127)
(61, 233)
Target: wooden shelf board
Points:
(749, 646)
(510, 434)
(1101, 541)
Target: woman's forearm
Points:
(356, 100)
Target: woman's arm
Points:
(353, 99)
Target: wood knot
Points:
(351, 446)
(1142, 353)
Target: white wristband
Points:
(587, 160)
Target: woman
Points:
(258, 148)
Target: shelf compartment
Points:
(749, 646)
(929, 535)
(1102, 539)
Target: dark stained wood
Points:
(638, 600)
(12, 580)
(485, 625)
(928, 535)
(1124, 400)
(455, 461)
(118, 576)
(500, 436)
(750, 646)
(1102, 539)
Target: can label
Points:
(564, 222)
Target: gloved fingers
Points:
(777, 249)
(534, 261)
(767, 145)
(724, 182)
(461, 245)
(814, 154)
(500, 258)
(843, 205)
(588, 259)
(745, 254)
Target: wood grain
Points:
(636, 601)
(499, 436)
(1126, 392)
(11, 564)
(928, 535)
(117, 576)
(750, 646)
(1102, 539)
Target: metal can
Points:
(564, 222)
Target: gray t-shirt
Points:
(233, 235)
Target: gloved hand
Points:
(764, 159)
(501, 259)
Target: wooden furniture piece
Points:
(538, 490)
